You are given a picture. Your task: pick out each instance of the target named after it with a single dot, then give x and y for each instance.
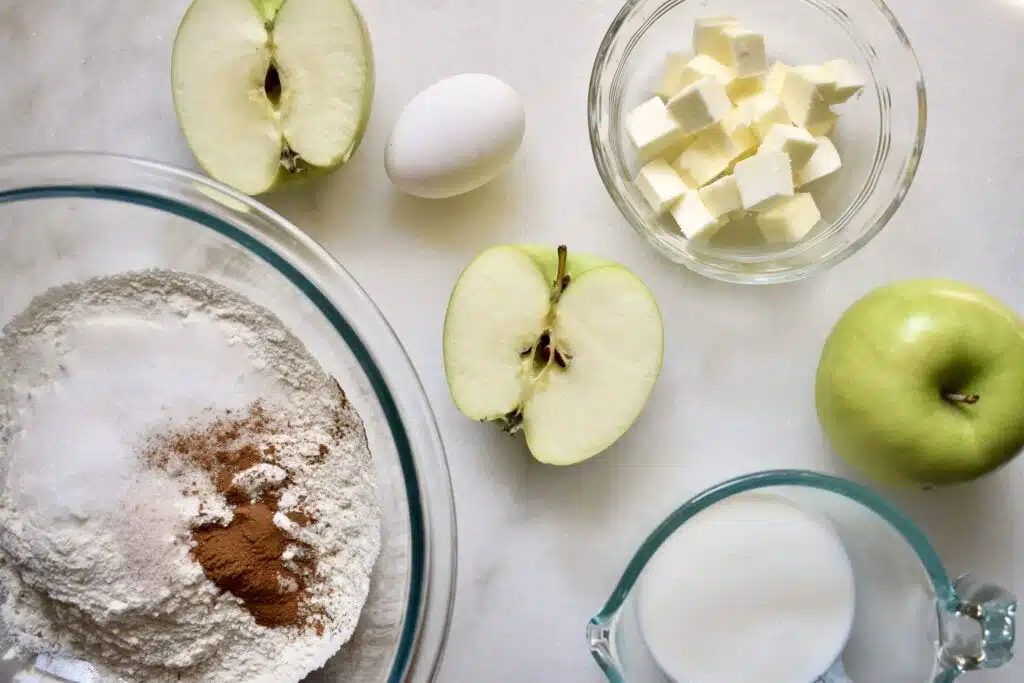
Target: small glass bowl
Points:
(880, 134)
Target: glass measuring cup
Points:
(912, 624)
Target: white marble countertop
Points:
(540, 548)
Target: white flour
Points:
(94, 546)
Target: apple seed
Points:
(272, 85)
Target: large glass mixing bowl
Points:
(66, 217)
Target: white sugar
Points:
(118, 377)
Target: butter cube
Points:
(678, 77)
(652, 130)
(711, 153)
(775, 78)
(847, 80)
(742, 88)
(789, 220)
(709, 37)
(699, 105)
(764, 179)
(660, 185)
(796, 142)
(693, 218)
(737, 121)
(671, 75)
(824, 162)
(803, 94)
(746, 52)
(721, 197)
(702, 65)
(763, 111)
(825, 125)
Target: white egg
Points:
(455, 136)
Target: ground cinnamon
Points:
(246, 557)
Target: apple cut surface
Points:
(572, 367)
(610, 327)
(219, 67)
(498, 309)
(320, 48)
(268, 90)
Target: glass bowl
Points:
(880, 135)
(912, 622)
(66, 217)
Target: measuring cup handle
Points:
(978, 633)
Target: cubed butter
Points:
(846, 79)
(709, 37)
(803, 94)
(742, 88)
(798, 143)
(711, 153)
(775, 78)
(721, 197)
(789, 220)
(693, 218)
(671, 76)
(701, 66)
(652, 130)
(699, 105)
(737, 121)
(746, 52)
(763, 111)
(824, 162)
(764, 179)
(660, 185)
(825, 125)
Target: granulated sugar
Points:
(95, 542)
(119, 376)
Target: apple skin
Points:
(891, 361)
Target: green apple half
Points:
(566, 348)
(269, 90)
(921, 383)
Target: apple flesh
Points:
(271, 90)
(921, 383)
(565, 348)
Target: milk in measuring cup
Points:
(754, 588)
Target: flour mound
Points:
(95, 543)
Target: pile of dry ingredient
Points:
(185, 494)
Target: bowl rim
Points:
(725, 274)
(431, 508)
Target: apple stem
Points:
(969, 399)
(561, 278)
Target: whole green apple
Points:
(921, 382)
